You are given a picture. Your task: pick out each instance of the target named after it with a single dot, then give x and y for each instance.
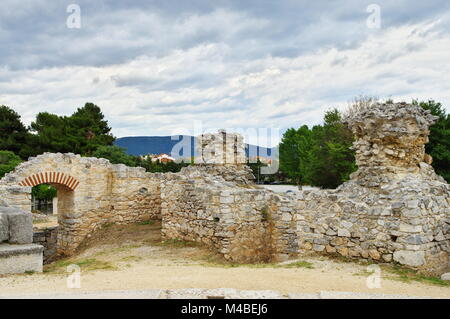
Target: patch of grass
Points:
(408, 275)
(117, 249)
(29, 272)
(177, 243)
(342, 259)
(146, 222)
(111, 234)
(259, 265)
(107, 225)
(131, 258)
(299, 264)
(265, 214)
(85, 265)
(225, 264)
(39, 221)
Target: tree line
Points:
(85, 132)
(316, 156)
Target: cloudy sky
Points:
(156, 67)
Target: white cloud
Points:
(155, 94)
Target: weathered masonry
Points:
(91, 192)
(393, 209)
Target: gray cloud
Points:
(227, 62)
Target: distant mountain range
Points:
(144, 145)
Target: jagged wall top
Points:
(390, 135)
(220, 148)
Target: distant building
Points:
(163, 158)
(264, 160)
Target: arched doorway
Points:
(50, 233)
(64, 184)
(91, 192)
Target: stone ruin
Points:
(394, 208)
(220, 149)
(222, 154)
(91, 192)
(17, 251)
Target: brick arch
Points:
(51, 178)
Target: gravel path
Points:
(219, 293)
(141, 267)
(167, 273)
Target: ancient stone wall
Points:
(17, 253)
(91, 192)
(206, 208)
(220, 148)
(394, 208)
(47, 238)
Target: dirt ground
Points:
(134, 258)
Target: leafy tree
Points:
(8, 162)
(81, 133)
(14, 136)
(158, 167)
(52, 133)
(439, 139)
(293, 148)
(305, 146)
(90, 129)
(320, 156)
(44, 192)
(115, 155)
(330, 161)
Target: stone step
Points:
(15, 259)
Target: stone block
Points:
(343, 251)
(4, 228)
(330, 249)
(226, 200)
(318, 247)
(342, 232)
(20, 228)
(407, 228)
(16, 259)
(374, 254)
(410, 258)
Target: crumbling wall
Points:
(47, 238)
(91, 192)
(394, 208)
(17, 253)
(220, 148)
(15, 225)
(235, 221)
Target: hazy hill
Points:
(143, 145)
